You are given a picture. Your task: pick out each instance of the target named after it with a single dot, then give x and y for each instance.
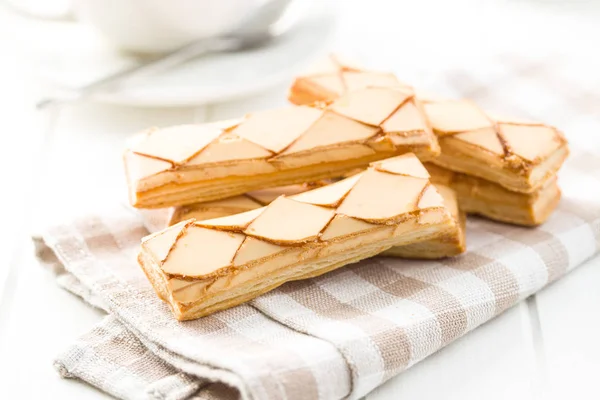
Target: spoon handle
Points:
(161, 63)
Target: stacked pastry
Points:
(240, 207)
(199, 266)
(501, 168)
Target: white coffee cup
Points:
(158, 26)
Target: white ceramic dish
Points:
(210, 79)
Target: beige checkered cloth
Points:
(342, 334)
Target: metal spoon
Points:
(272, 19)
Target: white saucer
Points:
(209, 79)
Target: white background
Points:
(69, 158)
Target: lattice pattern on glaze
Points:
(517, 143)
(382, 196)
(374, 120)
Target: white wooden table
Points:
(70, 157)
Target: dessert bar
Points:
(199, 267)
(196, 163)
(522, 156)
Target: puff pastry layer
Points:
(482, 197)
(199, 267)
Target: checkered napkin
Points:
(344, 333)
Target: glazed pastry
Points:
(519, 155)
(199, 267)
(481, 197)
(197, 163)
(451, 244)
